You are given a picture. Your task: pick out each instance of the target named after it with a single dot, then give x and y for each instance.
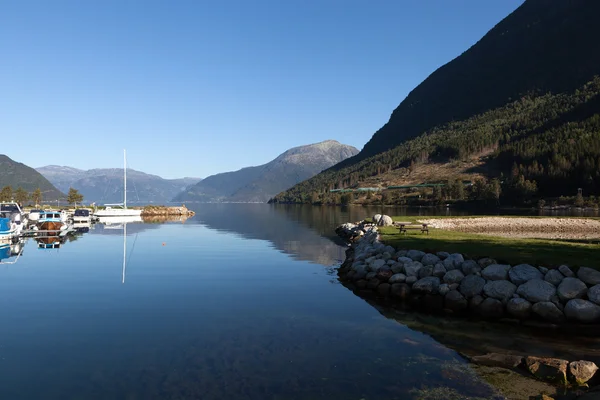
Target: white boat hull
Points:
(116, 212)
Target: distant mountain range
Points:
(106, 185)
(260, 183)
(16, 174)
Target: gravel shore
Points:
(546, 228)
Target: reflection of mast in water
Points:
(124, 249)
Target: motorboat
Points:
(81, 215)
(34, 215)
(51, 221)
(12, 219)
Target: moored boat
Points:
(122, 211)
(13, 220)
(50, 221)
(81, 215)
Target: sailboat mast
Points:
(124, 179)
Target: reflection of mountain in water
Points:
(304, 231)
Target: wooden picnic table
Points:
(404, 226)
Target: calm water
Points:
(238, 302)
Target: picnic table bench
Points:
(404, 226)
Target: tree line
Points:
(22, 196)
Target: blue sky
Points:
(197, 87)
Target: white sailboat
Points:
(110, 211)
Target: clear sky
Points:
(197, 87)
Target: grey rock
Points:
(582, 371)
(442, 254)
(554, 276)
(552, 369)
(362, 274)
(386, 256)
(428, 285)
(376, 218)
(412, 268)
(371, 275)
(373, 283)
(439, 270)
(404, 260)
(444, 289)
(519, 274)
(453, 261)
(566, 271)
(401, 253)
(454, 286)
(548, 311)
(496, 272)
(385, 220)
(454, 276)
(389, 249)
(582, 311)
(425, 271)
(556, 301)
(391, 262)
(400, 290)
(589, 276)
(536, 290)
(397, 267)
(491, 308)
(471, 285)
(484, 262)
(415, 255)
(571, 288)
(516, 296)
(593, 294)
(383, 289)
(397, 278)
(411, 279)
(469, 267)
(475, 302)
(499, 290)
(518, 308)
(430, 259)
(543, 270)
(455, 301)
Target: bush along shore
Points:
(556, 298)
(164, 210)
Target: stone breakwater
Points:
(164, 211)
(454, 284)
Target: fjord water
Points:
(238, 302)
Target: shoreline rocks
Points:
(455, 284)
(166, 211)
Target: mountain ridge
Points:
(105, 185)
(259, 183)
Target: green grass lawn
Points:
(537, 252)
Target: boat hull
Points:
(118, 213)
(50, 226)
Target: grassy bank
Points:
(506, 250)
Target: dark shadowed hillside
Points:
(525, 95)
(260, 183)
(17, 175)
